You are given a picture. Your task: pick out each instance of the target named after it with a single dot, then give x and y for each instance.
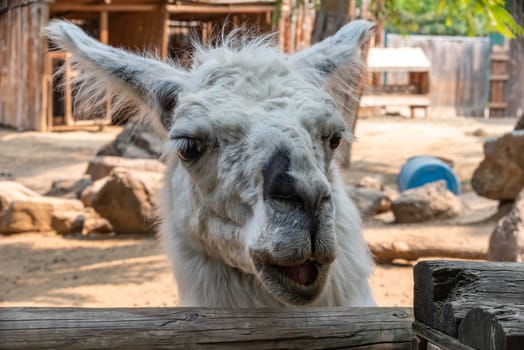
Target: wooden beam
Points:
(205, 328)
(386, 252)
(218, 9)
(104, 31)
(76, 7)
(445, 291)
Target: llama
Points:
(253, 210)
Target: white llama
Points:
(254, 213)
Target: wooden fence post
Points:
(470, 305)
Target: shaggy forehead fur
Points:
(256, 81)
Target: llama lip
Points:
(304, 274)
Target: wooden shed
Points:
(30, 94)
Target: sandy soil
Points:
(51, 270)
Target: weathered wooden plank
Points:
(446, 290)
(443, 341)
(162, 328)
(497, 328)
(21, 48)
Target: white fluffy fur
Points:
(244, 103)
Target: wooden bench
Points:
(411, 63)
(412, 101)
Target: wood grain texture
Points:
(22, 66)
(446, 290)
(162, 328)
(435, 337)
(495, 328)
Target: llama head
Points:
(250, 134)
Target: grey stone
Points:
(369, 201)
(428, 202)
(507, 240)
(69, 188)
(135, 141)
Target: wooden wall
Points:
(22, 52)
(145, 34)
(459, 72)
(514, 93)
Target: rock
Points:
(369, 201)
(507, 240)
(135, 141)
(478, 132)
(102, 166)
(127, 200)
(390, 193)
(94, 223)
(373, 182)
(500, 175)
(87, 195)
(69, 188)
(22, 210)
(431, 201)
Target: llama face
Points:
(257, 148)
(250, 138)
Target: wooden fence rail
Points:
(187, 328)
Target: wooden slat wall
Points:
(515, 86)
(22, 50)
(459, 72)
(146, 33)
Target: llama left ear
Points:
(131, 80)
(342, 51)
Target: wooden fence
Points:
(459, 72)
(458, 305)
(182, 328)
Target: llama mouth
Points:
(304, 274)
(298, 283)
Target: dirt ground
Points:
(51, 270)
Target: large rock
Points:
(127, 199)
(102, 166)
(507, 240)
(431, 201)
(22, 210)
(500, 175)
(135, 141)
(369, 201)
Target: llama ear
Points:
(340, 52)
(131, 79)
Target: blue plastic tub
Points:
(420, 170)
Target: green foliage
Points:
(447, 17)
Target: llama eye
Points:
(190, 149)
(334, 141)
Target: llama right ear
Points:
(130, 78)
(339, 52)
